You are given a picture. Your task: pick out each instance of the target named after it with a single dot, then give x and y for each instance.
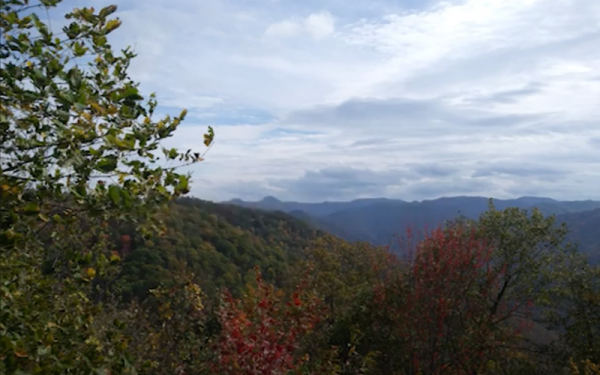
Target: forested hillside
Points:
(219, 244)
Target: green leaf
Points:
(114, 193)
(79, 49)
(107, 11)
(79, 106)
(31, 208)
(183, 184)
(107, 164)
(74, 78)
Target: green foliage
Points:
(219, 244)
(168, 331)
(77, 151)
(64, 127)
(531, 249)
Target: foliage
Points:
(344, 274)
(530, 248)
(448, 320)
(262, 334)
(459, 302)
(77, 151)
(584, 368)
(168, 331)
(436, 316)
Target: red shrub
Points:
(262, 333)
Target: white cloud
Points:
(474, 84)
(193, 101)
(320, 25)
(283, 29)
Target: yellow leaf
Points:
(97, 107)
(91, 272)
(114, 257)
(112, 25)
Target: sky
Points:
(410, 99)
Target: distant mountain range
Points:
(378, 220)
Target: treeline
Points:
(104, 271)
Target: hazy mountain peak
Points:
(270, 199)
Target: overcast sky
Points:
(415, 99)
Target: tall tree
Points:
(78, 150)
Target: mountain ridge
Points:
(378, 220)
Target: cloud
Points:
(337, 183)
(411, 99)
(436, 188)
(193, 102)
(349, 183)
(524, 169)
(508, 96)
(283, 29)
(433, 170)
(407, 117)
(318, 25)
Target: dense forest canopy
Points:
(107, 269)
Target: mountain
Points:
(313, 209)
(379, 220)
(468, 206)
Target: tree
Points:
(530, 248)
(437, 312)
(465, 298)
(77, 152)
(344, 275)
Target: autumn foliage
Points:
(263, 333)
(443, 306)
